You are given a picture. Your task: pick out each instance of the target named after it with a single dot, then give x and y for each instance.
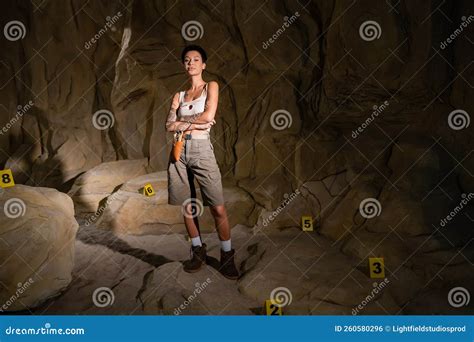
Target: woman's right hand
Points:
(206, 125)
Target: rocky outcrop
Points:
(37, 239)
(99, 182)
(129, 211)
(332, 80)
(145, 276)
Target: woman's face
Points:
(193, 63)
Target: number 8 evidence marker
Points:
(307, 223)
(377, 267)
(6, 178)
(271, 309)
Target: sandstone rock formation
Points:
(129, 211)
(145, 276)
(99, 182)
(37, 239)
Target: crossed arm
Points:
(199, 121)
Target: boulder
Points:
(99, 182)
(21, 160)
(129, 211)
(37, 236)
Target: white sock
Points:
(226, 246)
(196, 241)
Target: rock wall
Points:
(116, 56)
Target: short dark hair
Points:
(194, 48)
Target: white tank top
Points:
(187, 109)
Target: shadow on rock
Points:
(93, 236)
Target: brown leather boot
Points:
(227, 267)
(197, 260)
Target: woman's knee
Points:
(218, 210)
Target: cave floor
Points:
(145, 276)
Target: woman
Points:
(192, 112)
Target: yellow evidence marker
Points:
(271, 309)
(377, 268)
(148, 190)
(307, 223)
(6, 178)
